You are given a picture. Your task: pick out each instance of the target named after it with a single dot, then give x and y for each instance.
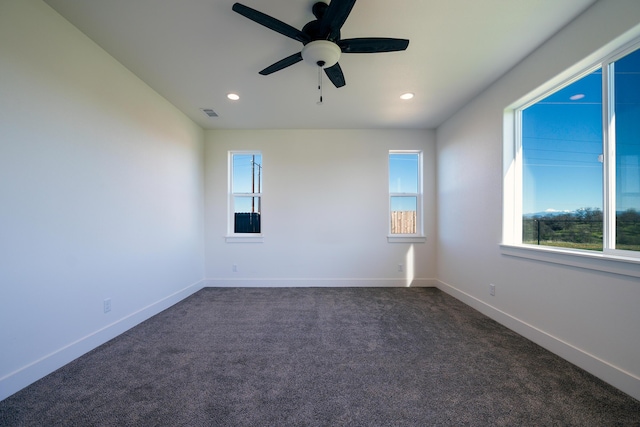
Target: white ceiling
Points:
(194, 52)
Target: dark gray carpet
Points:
(319, 356)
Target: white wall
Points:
(101, 184)
(325, 203)
(590, 318)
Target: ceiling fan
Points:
(321, 38)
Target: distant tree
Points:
(589, 214)
(629, 215)
(628, 228)
(583, 226)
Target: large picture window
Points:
(245, 193)
(577, 158)
(405, 193)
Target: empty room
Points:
(286, 212)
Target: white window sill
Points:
(626, 266)
(396, 238)
(244, 238)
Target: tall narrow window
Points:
(245, 196)
(405, 192)
(624, 76)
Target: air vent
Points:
(209, 112)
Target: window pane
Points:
(404, 215)
(562, 168)
(627, 131)
(403, 172)
(247, 212)
(247, 173)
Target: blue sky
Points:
(562, 139)
(403, 178)
(242, 183)
(627, 101)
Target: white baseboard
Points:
(607, 372)
(28, 374)
(318, 282)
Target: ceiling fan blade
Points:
(283, 63)
(335, 16)
(372, 45)
(335, 75)
(271, 23)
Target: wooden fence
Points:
(403, 222)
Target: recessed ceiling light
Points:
(233, 96)
(407, 95)
(577, 96)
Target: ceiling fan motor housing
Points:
(321, 53)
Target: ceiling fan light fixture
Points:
(321, 53)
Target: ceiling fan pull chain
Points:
(320, 83)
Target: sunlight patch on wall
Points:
(410, 263)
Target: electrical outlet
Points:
(400, 268)
(107, 305)
(234, 268)
(492, 290)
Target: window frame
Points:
(610, 152)
(418, 236)
(231, 236)
(610, 259)
(519, 156)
